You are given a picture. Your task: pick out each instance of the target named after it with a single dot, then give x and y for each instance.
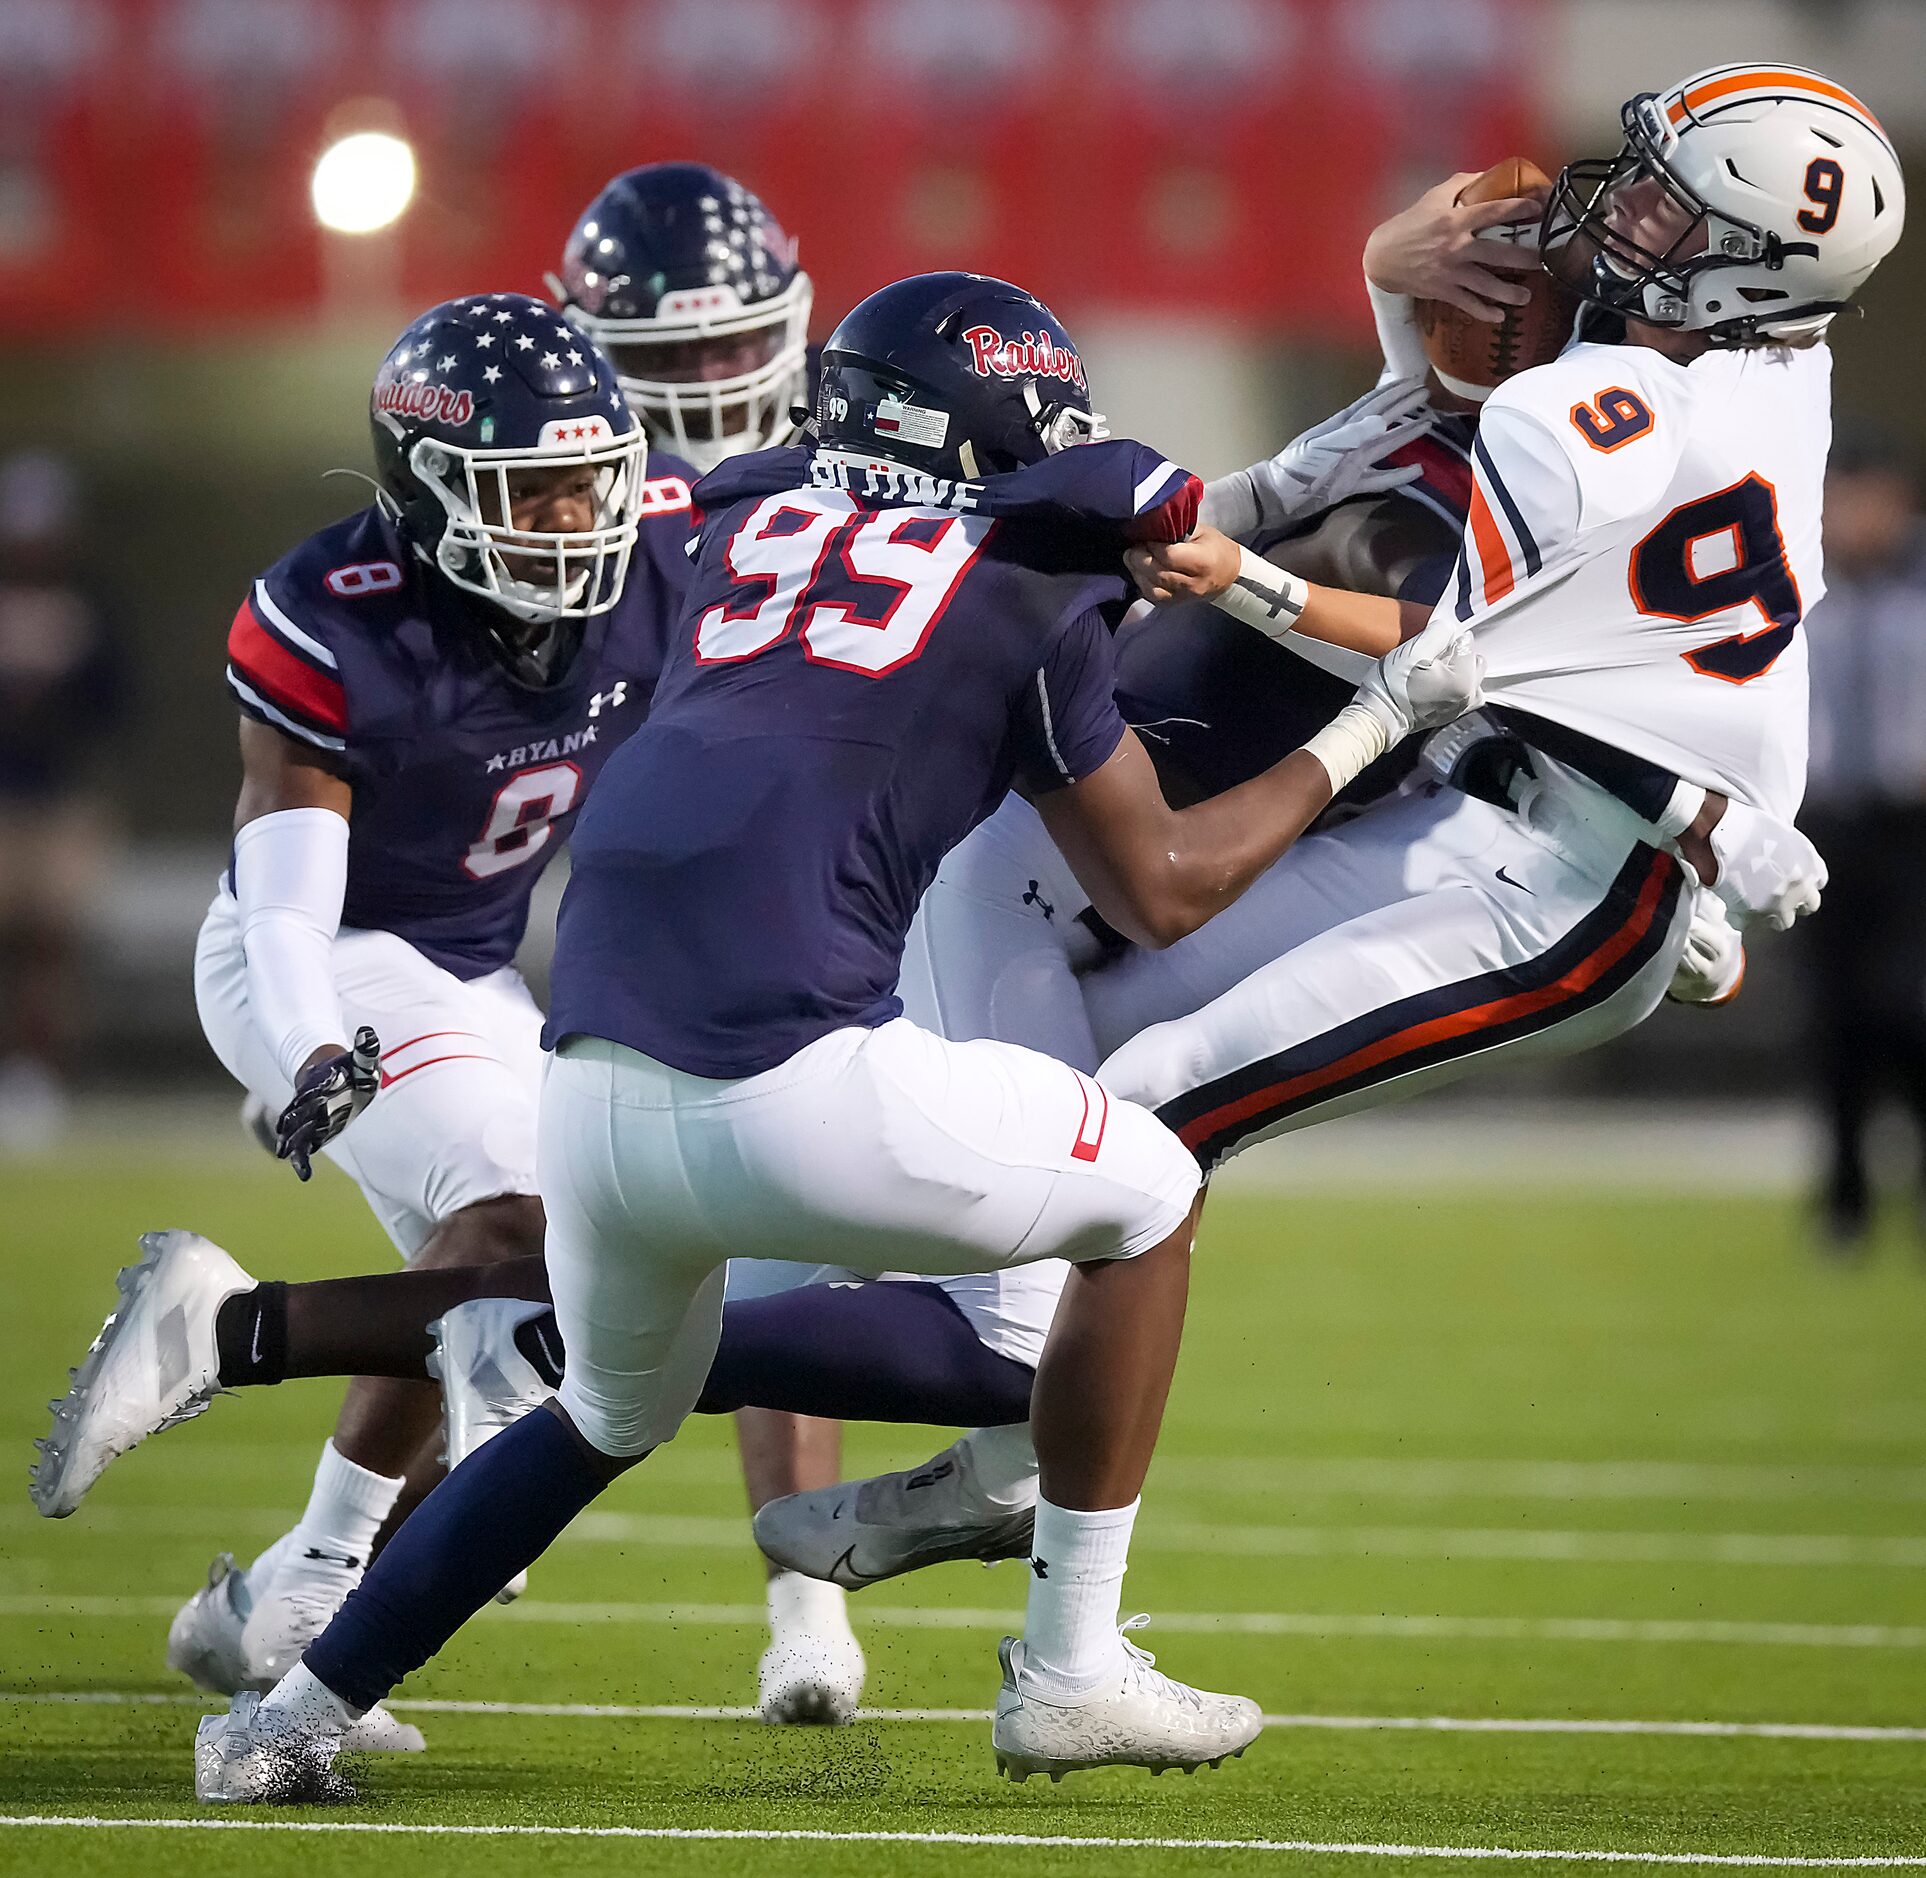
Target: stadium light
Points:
(363, 183)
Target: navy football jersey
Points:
(865, 663)
(466, 783)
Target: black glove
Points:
(330, 1094)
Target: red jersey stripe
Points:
(283, 676)
(1445, 471)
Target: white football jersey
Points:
(1643, 542)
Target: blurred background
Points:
(193, 310)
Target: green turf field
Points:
(1442, 1484)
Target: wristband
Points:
(1348, 744)
(1681, 811)
(1264, 595)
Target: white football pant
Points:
(879, 1150)
(453, 1122)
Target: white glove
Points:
(1331, 462)
(1424, 683)
(1713, 965)
(1769, 873)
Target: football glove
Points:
(1769, 873)
(330, 1094)
(1423, 684)
(1331, 462)
(1712, 967)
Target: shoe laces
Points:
(1143, 1668)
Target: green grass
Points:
(1357, 1370)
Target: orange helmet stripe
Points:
(1769, 81)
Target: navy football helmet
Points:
(474, 401)
(691, 286)
(958, 375)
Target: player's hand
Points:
(1344, 456)
(1199, 568)
(1437, 250)
(1712, 967)
(1769, 874)
(334, 1087)
(1423, 684)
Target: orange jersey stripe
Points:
(1461, 1024)
(1762, 80)
(1492, 554)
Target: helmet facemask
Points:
(1663, 281)
(536, 575)
(658, 366)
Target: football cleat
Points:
(248, 1757)
(204, 1640)
(809, 1676)
(486, 1382)
(861, 1532)
(1142, 1719)
(153, 1365)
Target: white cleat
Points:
(1143, 1719)
(864, 1531)
(248, 1758)
(486, 1382)
(153, 1366)
(204, 1640)
(808, 1676)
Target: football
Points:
(1469, 356)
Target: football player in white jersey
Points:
(1642, 543)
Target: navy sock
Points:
(896, 1352)
(492, 1517)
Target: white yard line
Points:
(1321, 1476)
(1385, 1477)
(1065, 1840)
(1539, 1545)
(1660, 1630)
(1341, 1724)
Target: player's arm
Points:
(290, 882)
(1293, 611)
(1156, 873)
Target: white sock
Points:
(345, 1511)
(1003, 1466)
(1070, 1641)
(809, 1605)
(303, 1699)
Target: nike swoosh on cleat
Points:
(845, 1572)
(1519, 884)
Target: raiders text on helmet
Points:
(476, 399)
(691, 286)
(1778, 191)
(957, 375)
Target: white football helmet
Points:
(1748, 202)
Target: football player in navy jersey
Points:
(885, 631)
(427, 690)
(692, 287)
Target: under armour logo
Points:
(1041, 1567)
(617, 695)
(346, 1560)
(1034, 897)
